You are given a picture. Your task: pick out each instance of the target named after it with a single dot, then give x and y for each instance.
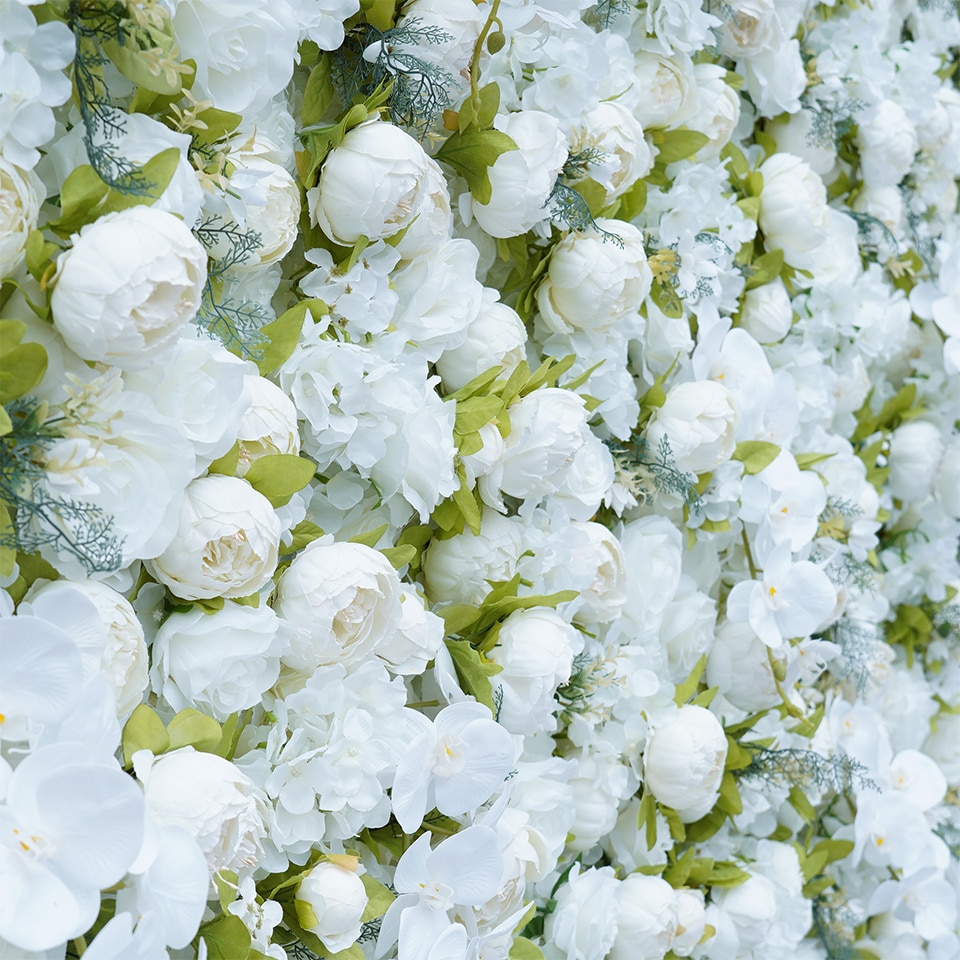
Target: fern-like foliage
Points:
(603, 14)
(833, 923)
(420, 89)
(92, 23)
(65, 525)
(804, 768)
(858, 643)
(647, 473)
(567, 205)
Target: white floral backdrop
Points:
(479, 481)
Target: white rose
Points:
(226, 544)
(343, 599)
(584, 923)
(121, 653)
(593, 283)
(794, 215)
(916, 449)
(244, 49)
(683, 762)
(669, 89)
(536, 648)
(751, 28)
(268, 427)
(335, 898)
(126, 287)
(522, 179)
(547, 428)
(21, 193)
(418, 637)
(946, 486)
(218, 663)
(647, 921)
(373, 184)
(887, 141)
(700, 421)
(496, 337)
(456, 570)
(718, 107)
(613, 130)
(202, 388)
(217, 804)
(766, 313)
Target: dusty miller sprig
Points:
(64, 524)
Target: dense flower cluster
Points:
(479, 480)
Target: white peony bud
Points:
(683, 762)
(343, 599)
(613, 130)
(417, 640)
(593, 283)
(606, 595)
(669, 89)
(718, 108)
(691, 921)
(226, 544)
(916, 449)
(127, 286)
(766, 313)
(217, 804)
(584, 924)
(268, 427)
(21, 193)
(330, 902)
(699, 420)
(372, 185)
(647, 922)
(888, 142)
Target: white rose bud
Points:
(647, 922)
(127, 286)
(584, 924)
(343, 598)
(496, 337)
(700, 422)
(21, 194)
(916, 449)
(216, 803)
(683, 763)
(613, 130)
(372, 185)
(691, 921)
(593, 283)
(330, 902)
(888, 143)
(268, 427)
(766, 313)
(220, 662)
(456, 570)
(794, 215)
(669, 89)
(226, 544)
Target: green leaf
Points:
(304, 532)
(466, 501)
(8, 553)
(471, 153)
(476, 412)
(227, 464)
(306, 916)
(632, 202)
(459, 616)
(279, 476)
(750, 207)
(647, 818)
(379, 898)
(755, 455)
(399, 556)
(524, 949)
(220, 124)
(727, 874)
(801, 804)
(372, 537)
(674, 145)
(678, 873)
(39, 254)
(807, 460)
(226, 883)
(477, 385)
(730, 801)
(688, 688)
(192, 728)
(283, 334)
(319, 93)
(226, 937)
(473, 671)
(143, 731)
(32, 567)
(764, 269)
(22, 365)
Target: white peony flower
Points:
(669, 89)
(699, 420)
(593, 283)
(417, 640)
(613, 130)
(373, 184)
(718, 108)
(218, 663)
(337, 898)
(648, 918)
(226, 544)
(766, 313)
(344, 601)
(127, 286)
(21, 193)
(268, 427)
(683, 762)
(916, 449)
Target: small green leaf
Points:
(730, 801)
(678, 873)
(473, 671)
(674, 145)
(755, 455)
(227, 464)
(306, 916)
(283, 334)
(399, 556)
(524, 949)
(688, 688)
(226, 883)
(764, 269)
(647, 818)
(727, 874)
(192, 728)
(143, 731)
(226, 937)
(633, 201)
(801, 804)
(471, 153)
(279, 476)
(219, 123)
(379, 898)
(8, 553)
(22, 365)
(372, 537)
(466, 501)
(319, 93)
(805, 461)
(304, 532)
(750, 207)
(476, 412)
(39, 254)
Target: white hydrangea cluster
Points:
(479, 480)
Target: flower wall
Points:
(479, 481)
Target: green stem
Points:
(477, 53)
(749, 553)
